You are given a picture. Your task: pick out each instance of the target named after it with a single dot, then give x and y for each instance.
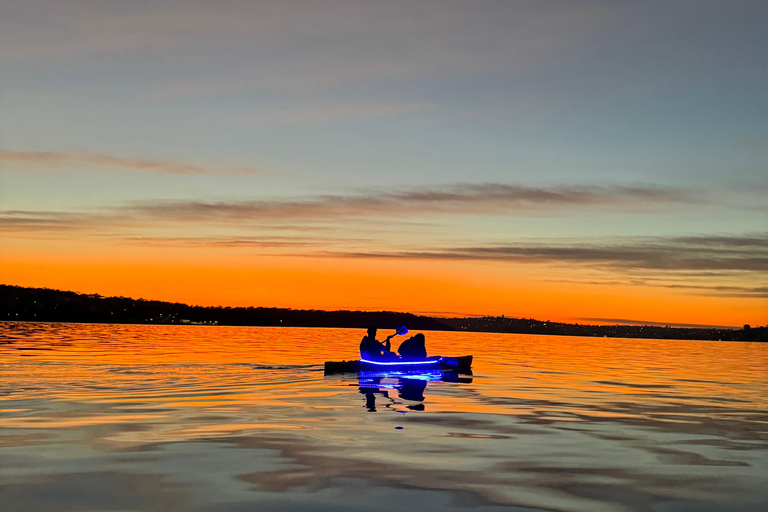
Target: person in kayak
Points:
(413, 349)
(374, 350)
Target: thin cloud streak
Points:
(480, 199)
(688, 254)
(235, 242)
(333, 212)
(89, 160)
(26, 221)
(724, 290)
(670, 282)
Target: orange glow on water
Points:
(150, 389)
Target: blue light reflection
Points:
(402, 363)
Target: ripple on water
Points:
(149, 418)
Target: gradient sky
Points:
(577, 160)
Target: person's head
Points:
(372, 331)
(419, 338)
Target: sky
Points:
(588, 161)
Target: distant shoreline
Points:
(46, 305)
(360, 329)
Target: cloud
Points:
(722, 265)
(218, 241)
(460, 199)
(377, 211)
(688, 254)
(89, 160)
(234, 242)
(26, 221)
(724, 290)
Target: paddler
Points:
(414, 348)
(374, 350)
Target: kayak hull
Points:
(454, 364)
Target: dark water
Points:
(172, 418)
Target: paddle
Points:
(399, 331)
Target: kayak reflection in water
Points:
(374, 350)
(413, 349)
(407, 389)
(410, 387)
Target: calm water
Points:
(193, 418)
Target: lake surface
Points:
(210, 418)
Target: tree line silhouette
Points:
(46, 305)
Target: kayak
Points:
(376, 378)
(436, 363)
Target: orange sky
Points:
(418, 286)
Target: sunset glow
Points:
(544, 160)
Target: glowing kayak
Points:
(431, 363)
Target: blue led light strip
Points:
(400, 363)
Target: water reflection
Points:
(410, 386)
(219, 419)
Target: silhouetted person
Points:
(374, 350)
(413, 349)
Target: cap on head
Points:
(372, 329)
